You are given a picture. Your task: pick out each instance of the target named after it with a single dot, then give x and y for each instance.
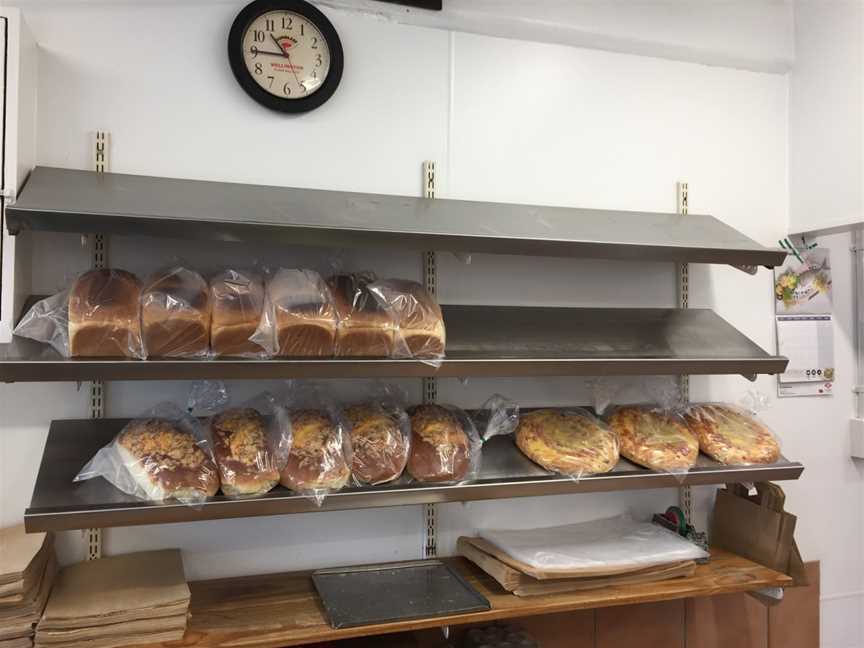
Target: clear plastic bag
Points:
(299, 316)
(732, 435)
(251, 444)
(571, 442)
(380, 436)
(47, 321)
(97, 316)
(419, 324)
(597, 547)
(237, 302)
(497, 416)
(166, 454)
(654, 437)
(445, 446)
(175, 314)
(365, 328)
(319, 461)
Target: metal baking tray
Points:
(370, 594)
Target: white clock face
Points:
(286, 54)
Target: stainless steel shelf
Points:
(59, 504)
(481, 341)
(66, 200)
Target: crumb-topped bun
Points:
(440, 448)
(247, 465)
(317, 458)
(379, 452)
(654, 439)
(731, 436)
(567, 442)
(104, 315)
(166, 461)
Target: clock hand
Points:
(291, 65)
(281, 49)
(266, 53)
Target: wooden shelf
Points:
(275, 610)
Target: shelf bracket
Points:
(685, 495)
(429, 547)
(98, 259)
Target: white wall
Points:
(553, 125)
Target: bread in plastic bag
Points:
(300, 316)
(571, 442)
(731, 435)
(164, 455)
(598, 547)
(175, 314)
(445, 446)
(365, 328)
(419, 324)
(380, 434)
(47, 321)
(319, 461)
(237, 302)
(654, 438)
(251, 445)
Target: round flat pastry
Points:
(654, 439)
(731, 436)
(567, 442)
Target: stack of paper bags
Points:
(117, 601)
(27, 569)
(600, 553)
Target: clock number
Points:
(269, 24)
(302, 32)
(287, 22)
(315, 74)
(272, 78)
(286, 89)
(259, 69)
(259, 36)
(314, 42)
(318, 60)
(254, 51)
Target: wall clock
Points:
(285, 54)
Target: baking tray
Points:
(370, 594)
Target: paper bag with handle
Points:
(757, 527)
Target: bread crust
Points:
(167, 461)
(379, 451)
(237, 304)
(104, 315)
(567, 442)
(247, 463)
(440, 447)
(365, 328)
(304, 314)
(418, 318)
(317, 459)
(731, 436)
(175, 314)
(654, 439)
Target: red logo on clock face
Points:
(286, 43)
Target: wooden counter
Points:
(277, 610)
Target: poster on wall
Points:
(805, 326)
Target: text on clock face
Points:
(286, 54)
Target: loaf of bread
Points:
(303, 314)
(244, 453)
(175, 314)
(365, 328)
(379, 445)
(166, 461)
(104, 315)
(568, 442)
(419, 323)
(440, 446)
(317, 459)
(731, 436)
(654, 439)
(237, 300)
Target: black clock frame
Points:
(238, 65)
